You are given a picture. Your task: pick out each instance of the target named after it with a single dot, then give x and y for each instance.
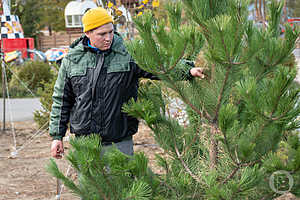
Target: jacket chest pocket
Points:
(117, 74)
(118, 67)
(79, 81)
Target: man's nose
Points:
(108, 36)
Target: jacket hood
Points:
(80, 45)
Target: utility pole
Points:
(3, 89)
(6, 12)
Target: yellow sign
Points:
(10, 56)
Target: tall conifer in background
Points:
(242, 115)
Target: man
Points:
(95, 79)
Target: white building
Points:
(75, 10)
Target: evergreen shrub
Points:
(41, 117)
(29, 77)
(8, 75)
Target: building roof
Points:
(78, 7)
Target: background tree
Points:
(260, 10)
(29, 15)
(37, 14)
(293, 8)
(52, 12)
(242, 115)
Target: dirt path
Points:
(24, 177)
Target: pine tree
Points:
(111, 176)
(242, 115)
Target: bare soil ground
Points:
(24, 177)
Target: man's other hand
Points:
(197, 72)
(57, 149)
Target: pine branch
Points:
(279, 117)
(228, 149)
(169, 187)
(192, 142)
(249, 164)
(193, 48)
(99, 189)
(205, 31)
(239, 165)
(225, 47)
(235, 63)
(187, 101)
(261, 62)
(231, 175)
(270, 116)
(186, 167)
(276, 104)
(184, 164)
(220, 97)
(225, 80)
(108, 181)
(178, 59)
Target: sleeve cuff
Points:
(57, 137)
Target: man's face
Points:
(102, 36)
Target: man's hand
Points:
(197, 72)
(57, 149)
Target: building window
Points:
(69, 20)
(77, 20)
(74, 20)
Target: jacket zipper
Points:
(96, 73)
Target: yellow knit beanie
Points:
(95, 17)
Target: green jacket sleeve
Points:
(63, 101)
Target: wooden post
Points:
(54, 37)
(70, 36)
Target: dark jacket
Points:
(91, 99)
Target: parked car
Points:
(37, 55)
(56, 54)
(16, 57)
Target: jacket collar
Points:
(80, 45)
(118, 44)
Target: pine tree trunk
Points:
(213, 148)
(260, 10)
(264, 10)
(257, 17)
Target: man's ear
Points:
(87, 34)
